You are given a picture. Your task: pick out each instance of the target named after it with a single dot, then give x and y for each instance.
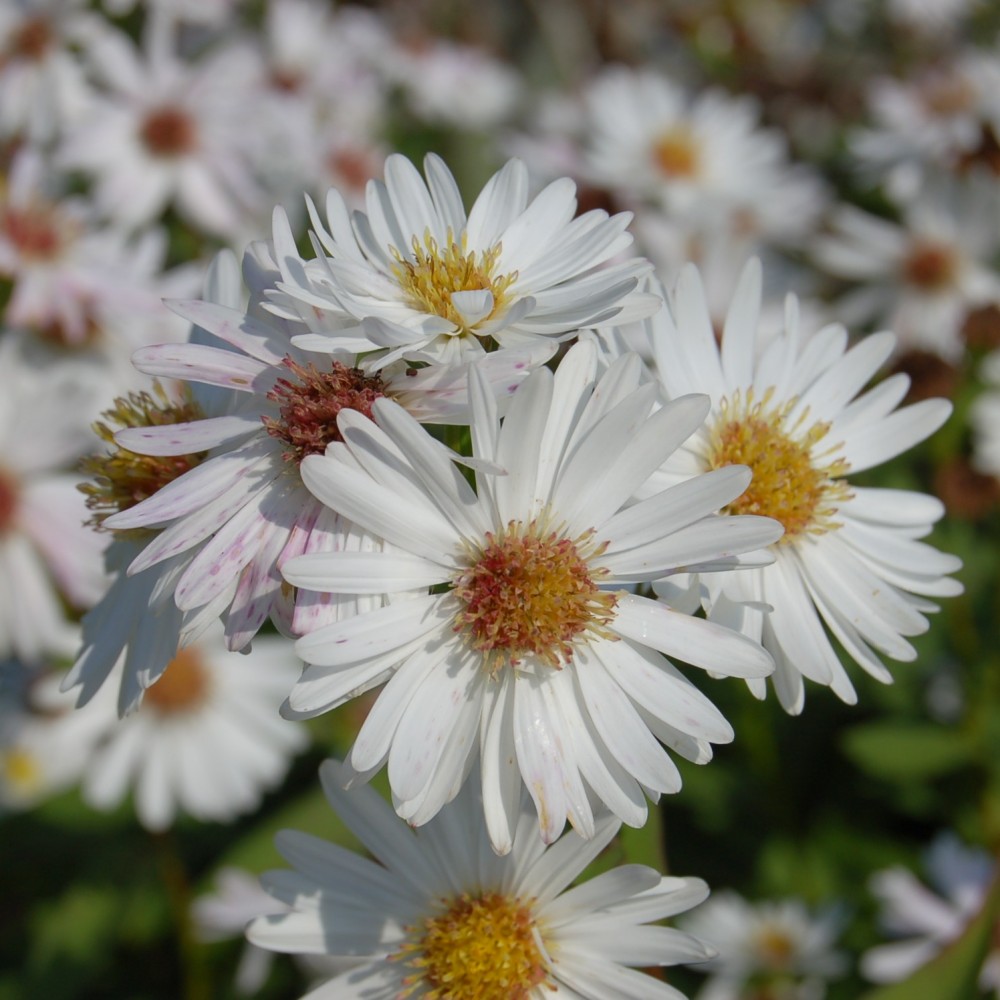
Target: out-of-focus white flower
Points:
(47, 555)
(705, 158)
(207, 739)
(930, 17)
(927, 920)
(44, 744)
(43, 86)
(437, 913)
(170, 133)
(945, 118)
(921, 277)
(455, 85)
(86, 286)
(777, 948)
(850, 561)
(528, 652)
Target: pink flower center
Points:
(310, 400)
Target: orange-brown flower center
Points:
(531, 592)
(483, 947)
(310, 400)
(9, 498)
(35, 229)
(929, 266)
(169, 131)
(182, 687)
(32, 39)
(676, 153)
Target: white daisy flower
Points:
(945, 118)
(245, 506)
(985, 419)
(769, 949)
(43, 87)
(207, 739)
(850, 560)
(170, 133)
(436, 913)
(526, 650)
(921, 277)
(927, 920)
(47, 555)
(704, 159)
(76, 282)
(422, 280)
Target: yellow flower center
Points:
(182, 687)
(775, 948)
(483, 948)
(529, 592)
(676, 153)
(436, 272)
(124, 478)
(792, 481)
(20, 769)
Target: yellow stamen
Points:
(791, 481)
(676, 153)
(436, 272)
(483, 947)
(182, 687)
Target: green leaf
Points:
(906, 751)
(954, 973)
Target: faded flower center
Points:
(775, 948)
(435, 273)
(482, 948)
(529, 592)
(124, 478)
(36, 230)
(182, 687)
(676, 152)
(309, 401)
(20, 769)
(930, 266)
(946, 96)
(169, 131)
(32, 39)
(790, 482)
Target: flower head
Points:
(436, 914)
(528, 644)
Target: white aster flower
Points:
(47, 555)
(170, 133)
(244, 506)
(777, 948)
(422, 280)
(704, 159)
(43, 87)
(927, 920)
(850, 560)
(438, 914)
(207, 739)
(920, 277)
(526, 651)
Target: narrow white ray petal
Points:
(211, 365)
(235, 327)
(502, 199)
(362, 572)
(702, 643)
(739, 335)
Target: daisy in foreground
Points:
(438, 915)
(526, 651)
(849, 561)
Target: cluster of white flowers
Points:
(487, 462)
